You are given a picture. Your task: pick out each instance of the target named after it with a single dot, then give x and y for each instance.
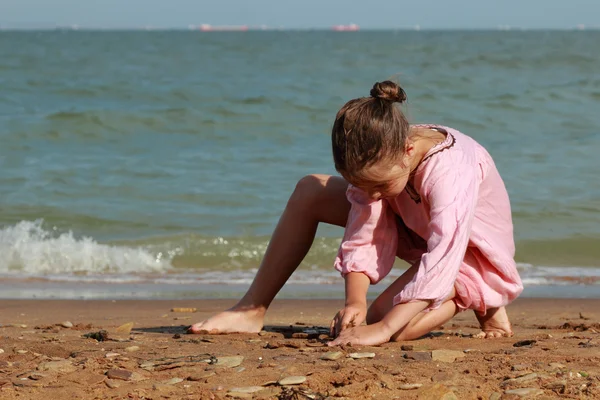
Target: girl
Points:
(425, 193)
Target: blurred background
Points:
(147, 149)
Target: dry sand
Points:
(555, 353)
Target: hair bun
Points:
(388, 90)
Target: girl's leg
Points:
(317, 198)
(421, 324)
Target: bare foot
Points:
(494, 324)
(231, 321)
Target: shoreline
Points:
(555, 352)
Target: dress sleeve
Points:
(370, 239)
(452, 199)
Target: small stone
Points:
(437, 392)
(522, 392)
(246, 389)
(131, 349)
(66, 324)
(1, 351)
(120, 374)
(183, 309)
(292, 380)
(61, 366)
(200, 377)
(112, 355)
(410, 386)
(556, 365)
(172, 381)
(229, 361)
(22, 351)
(112, 384)
(495, 396)
(263, 333)
(446, 355)
(332, 355)
(471, 350)
(407, 347)
(440, 376)
(525, 343)
(558, 386)
(36, 377)
(519, 367)
(418, 355)
(520, 379)
(124, 329)
(16, 326)
(357, 356)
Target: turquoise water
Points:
(167, 157)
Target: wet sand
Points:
(555, 353)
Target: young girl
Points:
(425, 193)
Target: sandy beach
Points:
(555, 353)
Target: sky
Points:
(371, 14)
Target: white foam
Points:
(28, 249)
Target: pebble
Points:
(418, 355)
(263, 333)
(519, 367)
(66, 324)
(520, 379)
(1, 351)
(112, 384)
(229, 361)
(556, 365)
(131, 349)
(332, 355)
(446, 355)
(471, 351)
(36, 377)
(22, 351)
(200, 377)
(525, 343)
(361, 355)
(120, 374)
(246, 389)
(407, 347)
(495, 396)
(64, 366)
(525, 392)
(559, 386)
(172, 381)
(410, 386)
(16, 326)
(183, 309)
(292, 380)
(111, 355)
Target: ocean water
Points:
(156, 164)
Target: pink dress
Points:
(455, 223)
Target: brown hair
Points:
(369, 129)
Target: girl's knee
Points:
(308, 189)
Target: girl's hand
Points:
(368, 335)
(352, 315)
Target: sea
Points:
(155, 164)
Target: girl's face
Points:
(383, 180)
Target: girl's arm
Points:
(354, 312)
(452, 201)
(370, 238)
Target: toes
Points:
(480, 335)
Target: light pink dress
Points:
(459, 230)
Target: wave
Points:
(30, 250)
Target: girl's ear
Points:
(409, 148)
